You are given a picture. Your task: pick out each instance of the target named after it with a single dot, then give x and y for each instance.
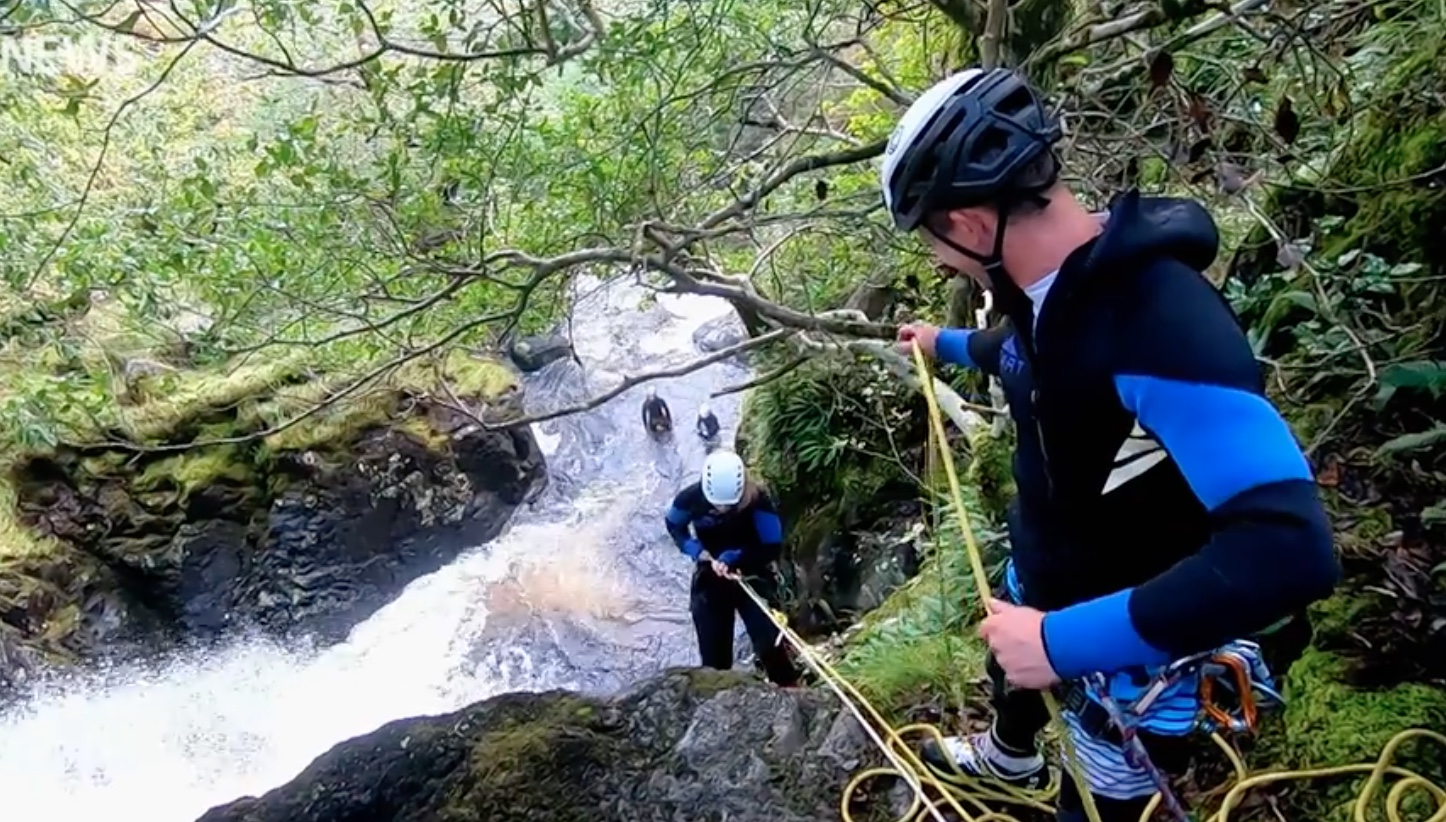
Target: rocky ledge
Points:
(695, 745)
(306, 528)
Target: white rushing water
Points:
(582, 591)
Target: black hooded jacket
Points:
(1164, 506)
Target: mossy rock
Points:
(124, 509)
(1330, 722)
(991, 470)
(542, 756)
(686, 745)
(60, 604)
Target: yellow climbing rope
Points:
(959, 790)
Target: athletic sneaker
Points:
(979, 756)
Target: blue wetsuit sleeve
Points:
(677, 519)
(1193, 385)
(972, 348)
(770, 533)
(952, 346)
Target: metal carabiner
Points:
(1239, 671)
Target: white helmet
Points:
(652, 392)
(723, 478)
(704, 411)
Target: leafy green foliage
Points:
(835, 430)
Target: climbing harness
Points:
(1232, 669)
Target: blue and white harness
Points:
(1172, 700)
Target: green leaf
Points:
(128, 25)
(1420, 375)
(1414, 442)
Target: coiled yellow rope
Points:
(959, 790)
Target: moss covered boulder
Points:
(223, 504)
(691, 745)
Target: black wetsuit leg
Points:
(712, 606)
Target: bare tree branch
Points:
(781, 371)
(966, 416)
(991, 44)
(801, 165)
(385, 45)
(890, 91)
(638, 379)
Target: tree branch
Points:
(966, 416)
(800, 165)
(636, 380)
(991, 43)
(769, 377)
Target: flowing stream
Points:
(583, 591)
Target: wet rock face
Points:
(720, 333)
(535, 353)
(842, 570)
(300, 543)
(339, 547)
(18, 663)
(687, 745)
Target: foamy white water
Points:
(582, 591)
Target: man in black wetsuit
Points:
(728, 526)
(708, 427)
(657, 419)
(1164, 508)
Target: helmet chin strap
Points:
(1008, 297)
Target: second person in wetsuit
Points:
(657, 419)
(727, 525)
(708, 426)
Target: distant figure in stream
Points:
(1164, 508)
(707, 425)
(656, 416)
(727, 525)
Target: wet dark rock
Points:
(307, 542)
(18, 663)
(687, 745)
(849, 567)
(340, 547)
(720, 333)
(536, 352)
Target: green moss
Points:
(193, 394)
(16, 538)
(1335, 617)
(1358, 530)
(1328, 722)
(476, 377)
(48, 588)
(706, 682)
(336, 425)
(423, 432)
(1403, 134)
(991, 470)
(539, 760)
(191, 471)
